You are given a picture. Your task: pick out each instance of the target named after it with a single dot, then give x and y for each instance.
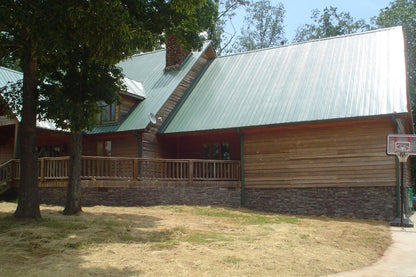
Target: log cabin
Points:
(297, 129)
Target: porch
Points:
(129, 172)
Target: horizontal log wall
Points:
(190, 146)
(331, 155)
(122, 145)
(7, 149)
(49, 138)
(126, 104)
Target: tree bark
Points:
(28, 199)
(73, 196)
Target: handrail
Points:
(124, 168)
(6, 171)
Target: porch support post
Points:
(243, 195)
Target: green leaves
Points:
(330, 23)
(263, 26)
(77, 44)
(403, 13)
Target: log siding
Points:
(349, 154)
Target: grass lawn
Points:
(184, 241)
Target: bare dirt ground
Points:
(184, 241)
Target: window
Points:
(225, 151)
(216, 151)
(108, 112)
(206, 151)
(104, 148)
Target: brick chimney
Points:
(175, 54)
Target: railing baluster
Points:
(111, 168)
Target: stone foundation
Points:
(148, 196)
(369, 202)
(365, 202)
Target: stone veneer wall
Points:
(148, 196)
(358, 202)
(366, 202)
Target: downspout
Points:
(398, 200)
(243, 197)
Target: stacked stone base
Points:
(148, 196)
(368, 203)
(361, 202)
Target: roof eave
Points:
(402, 114)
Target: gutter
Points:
(243, 195)
(398, 200)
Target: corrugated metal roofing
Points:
(350, 76)
(148, 69)
(8, 75)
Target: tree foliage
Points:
(403, 13)
(98, 35)
(25, 35)
(263, 26)
(329, 23)
(95, 35)
(221, 39)
(154, 19)
(65, 45)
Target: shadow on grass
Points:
(56, 234)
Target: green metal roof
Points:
(148, 69)
(349, 76)
(8, 75)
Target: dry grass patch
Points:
(184, 241)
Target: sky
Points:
(298, 12)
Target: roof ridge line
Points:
(314, 40)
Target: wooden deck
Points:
(116, 170)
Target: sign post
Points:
(401, 146)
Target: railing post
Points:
(42, 167)
(135, 169)
(191, 171)
(13, 170)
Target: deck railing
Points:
(116, 168)
(6, 171)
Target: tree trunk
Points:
(73, 196)
(28, 201)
